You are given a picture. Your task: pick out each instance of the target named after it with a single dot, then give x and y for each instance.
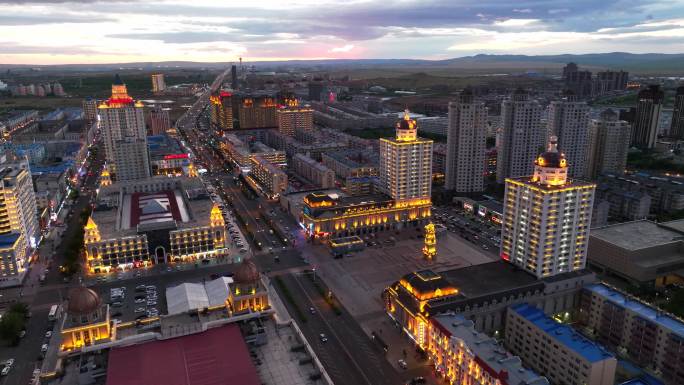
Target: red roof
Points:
(218, 356)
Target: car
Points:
(402, 364)
(312, 310)
(22, 334)
(48, 334)
(417, 380)
(139, 310)
(117, 304)
(44, 348)
(5, 371)
(117, 314)
(140, 300)
(9, 362)
(323, 337)
(151, 303)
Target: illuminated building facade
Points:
(405, 171)
(152, 221)
(481, 293)
(292, 117)
(222, 110)
(466, 139)
(158, 84)
(87, 320)
(332, 216)
(546, 218)
(120, 117)
(461, 355)
(255, 111)
(248, 293)
(18, 224)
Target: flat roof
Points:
(8, 240)
(562, 333)
(636, 235)
(215, 357)
(488, 278)
(674, 325)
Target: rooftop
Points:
(216, 356)
(8, 240)
(500, 361)
(570, 183)
(562, 333)
(488, 278)
(674, 325)
(640, 234)
(355, 158)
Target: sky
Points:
(119, 31)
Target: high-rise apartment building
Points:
(406, 163)
(158, 84)
(568, 120)
(647, 117)
(132, 158)
(576, 80)
(466, 144)
(292, 117)
(90, 109)
(677, 126)
(255, 111)
(222, 110)
(522, 136)
(18, 224)
(547, 217)
(160, 122)
(121, 117)
(608, 145)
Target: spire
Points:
(553, 144)
(117, 80)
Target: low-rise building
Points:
(557, 350)
(358, 169)
(479, 292)
(463, 356)
(314, 172)
(332, 216)
(666, 192)
(167, 156)
(646, 335)
(157, 220)
(641, 252)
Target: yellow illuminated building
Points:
(248, 292)
(292, 117)
(86, 321)
(221, 105)
(546, 218)
(430, 243)
(105, 178)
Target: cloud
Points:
(344, 48)
(15, 20)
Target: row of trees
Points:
(13, 322)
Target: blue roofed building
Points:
(649, 336)
(556, 350)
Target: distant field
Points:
(33, 103)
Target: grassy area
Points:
(288, 297)
(646, 161)
(621, 101)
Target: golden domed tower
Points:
(218, 227)
(105, 178)
(430, 243)
(248, 292)
(192, 171)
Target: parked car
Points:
(48, 334)
(323, 337)
(402, 364)
(44, 348)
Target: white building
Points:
(546, 218)
(522, 136)
(556, 350)
(608, 145)
(405, 171)
(568, 120)
(132, 157)
(120, 117)
(466, 144)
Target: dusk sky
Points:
(55, 32)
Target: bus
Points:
(52, 316)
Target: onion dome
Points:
(552, 158)
(83, 301)
(407, 123)
(247, 273)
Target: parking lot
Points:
(129, 302)
(484, 234)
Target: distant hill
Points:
(650, 63)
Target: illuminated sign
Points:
(175, 156)
(496, 219)
(481, 211)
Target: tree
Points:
(10, 327)
(19, 308)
